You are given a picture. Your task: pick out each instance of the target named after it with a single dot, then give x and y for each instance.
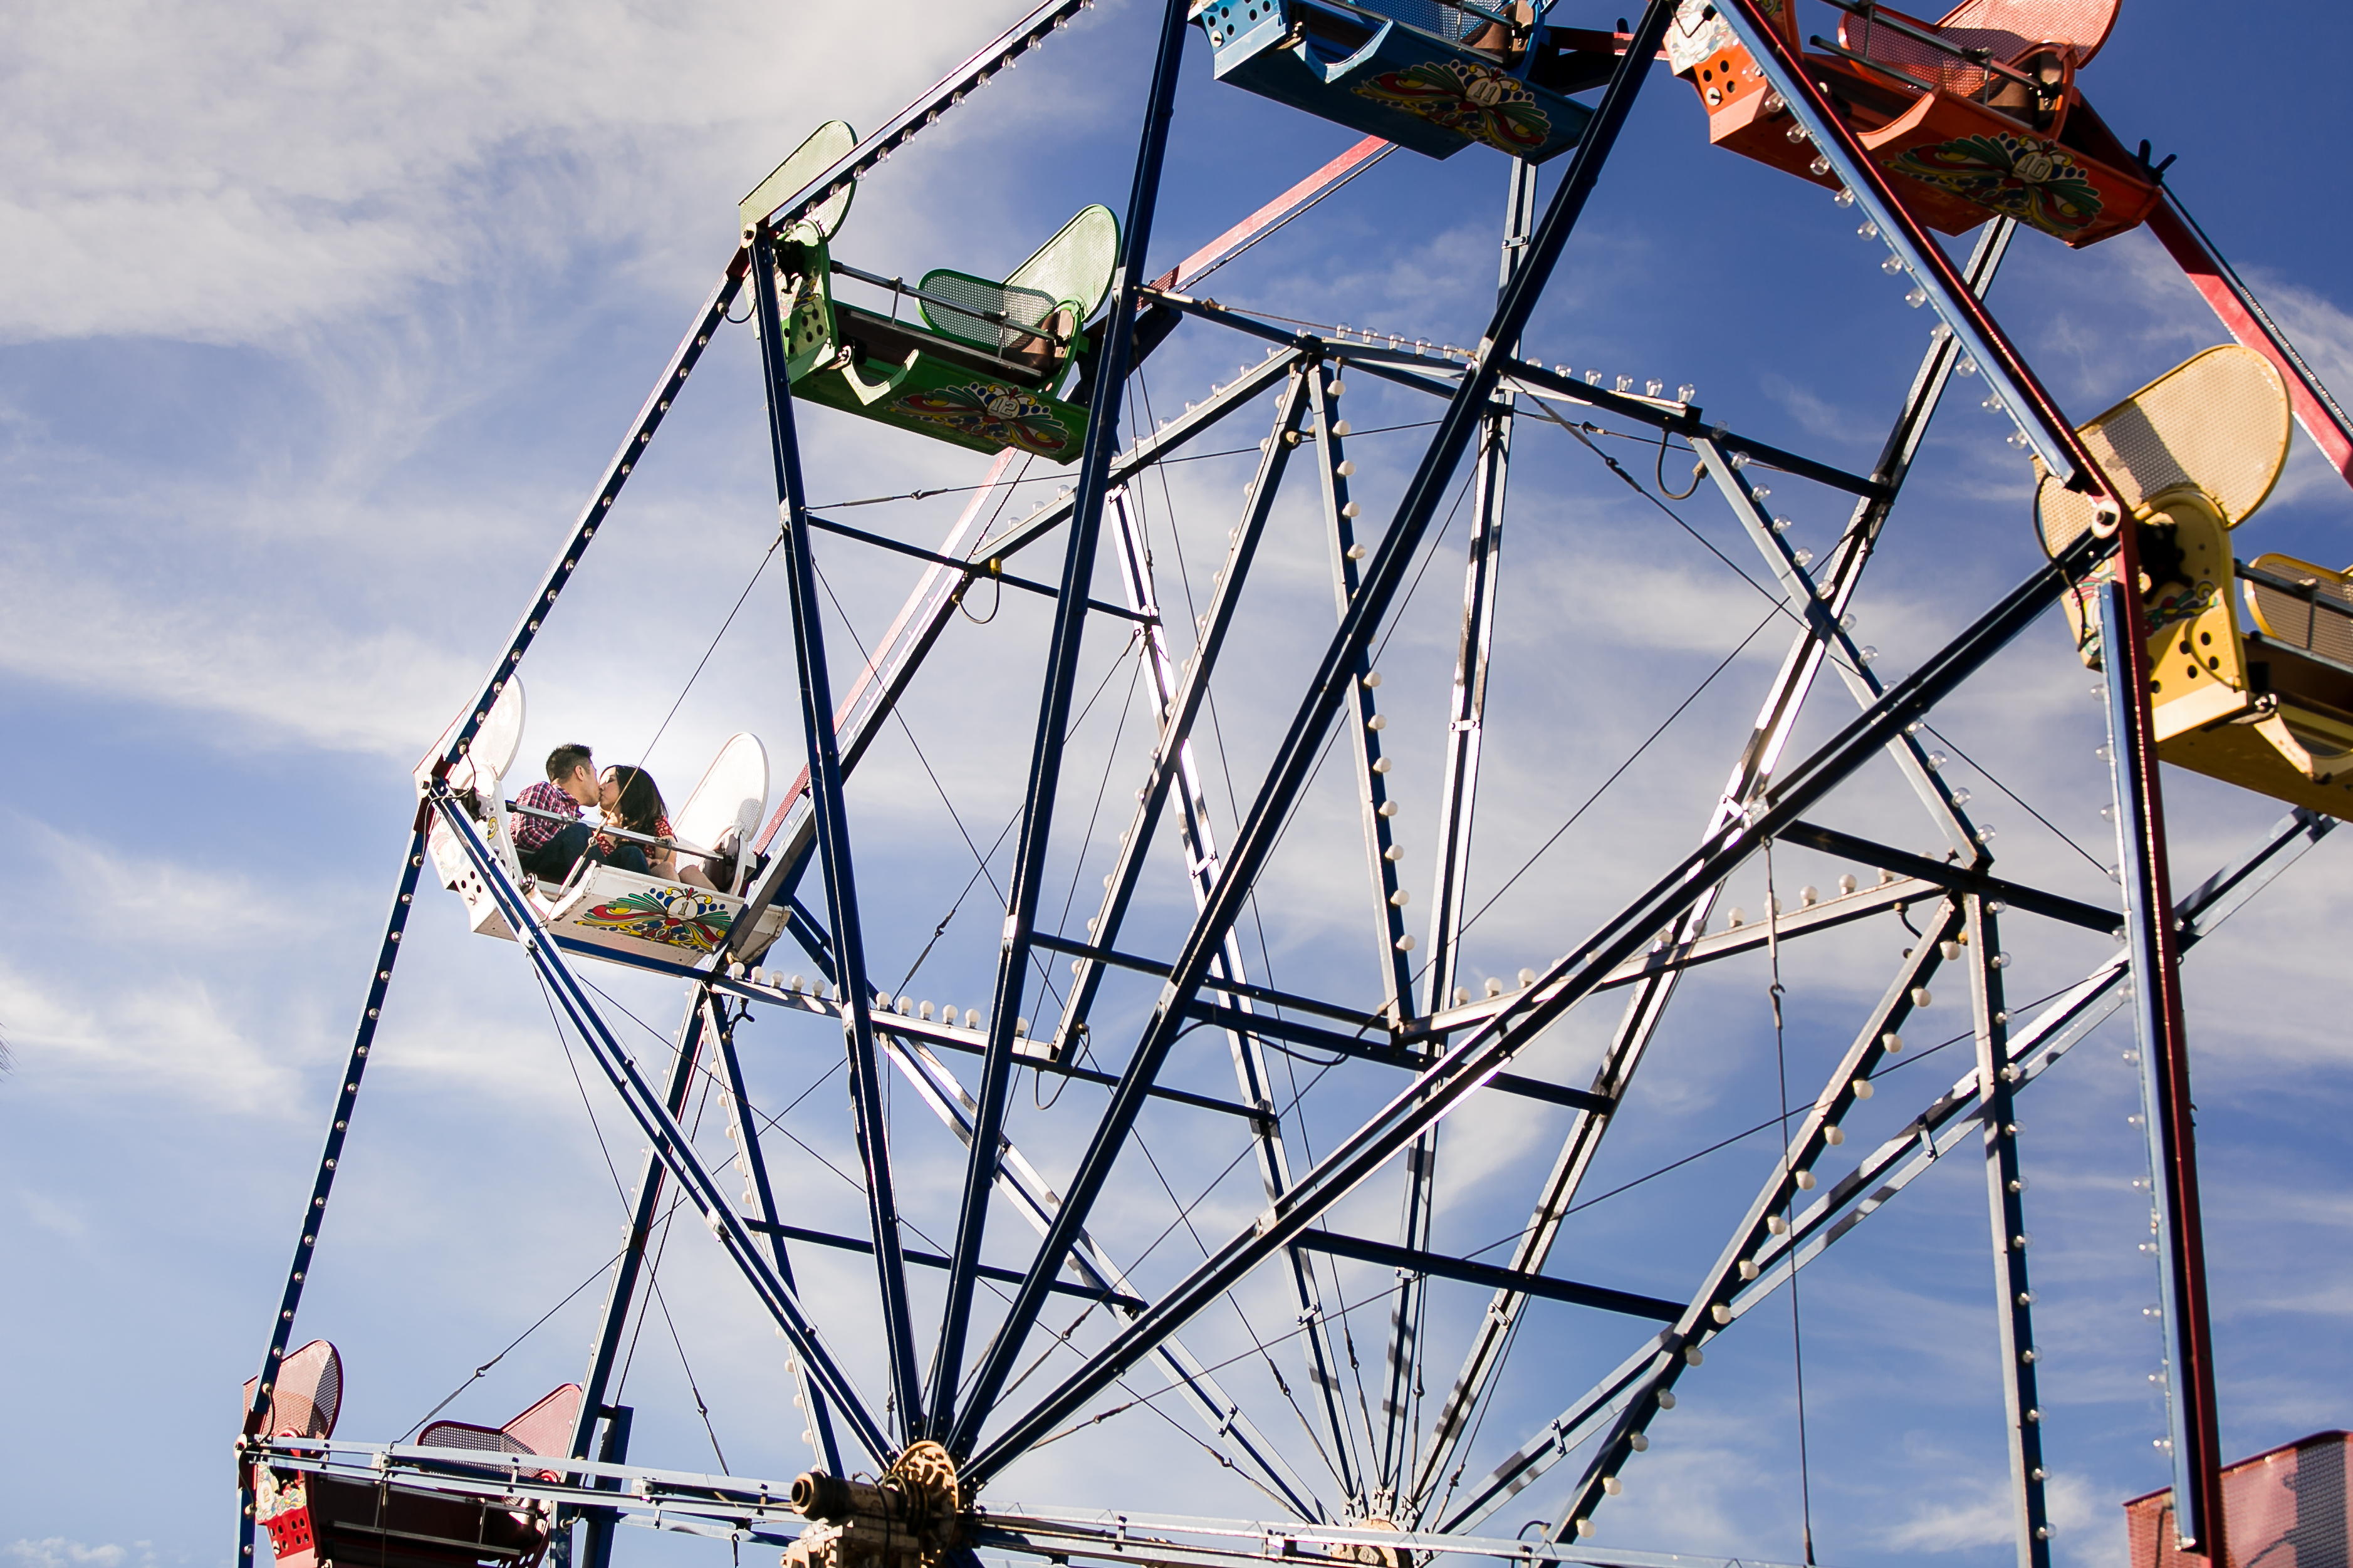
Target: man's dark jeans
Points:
(552, 861)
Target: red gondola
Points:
(316, 1521)
(1976, 115)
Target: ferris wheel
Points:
(1342, 1357)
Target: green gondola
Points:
(983, 365)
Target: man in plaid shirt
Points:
(548, 848)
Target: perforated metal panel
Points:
(1074, 267)
(2299, 622)
(2009, 28)
(545, 1429)
(1448, 22)
(466, 1435)
(308, 1395)
(2219, 421)
(2084, 23)
(2286, 1509)
(1023, 307)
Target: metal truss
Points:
(1416, 1020)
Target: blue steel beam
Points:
(833, 851)
(1997, 1079)
(1775, 720)
(670, 1140)
(1465, 1068)
(323, 1181)
(1053, 721)
(1915, 254)
(623, 1290)
(1933, 1134)
(1295, 759)
(747, 1128)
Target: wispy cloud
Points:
(57, 1552)
(1986, 1515)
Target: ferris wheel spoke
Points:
(1231, 1430)
(1775, 720)
(670, 1141)
(1295, 758)
(1933, 1132)
(761, 1196)
(1177, 696)
(835, 866)
(1463, 1068)
(1176, 700)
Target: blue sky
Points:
(318, 328)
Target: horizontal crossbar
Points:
(933, 1260)
(1488, 1274)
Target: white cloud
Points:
(274, 671)
(57, 1552)
(224, 176)
(1986, 1516)
(169, 1034)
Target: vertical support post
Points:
(1466, 715)
(2155, 947)
(1104, 412)
(1175, 700)
(1364, 720)
(817, 1430)
(323, 1183)
(833, 851)
(687, 1056)
(1458, 792)
(2006, 1205)
(597, 1547)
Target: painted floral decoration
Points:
(677, 917)
(1483, 102)
(2032, 180)
(990, 411)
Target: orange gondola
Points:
(1974, 116)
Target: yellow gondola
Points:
(2252, 663)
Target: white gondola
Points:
(604, 906)
(662, 917)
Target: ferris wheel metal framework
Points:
(1450, 1048)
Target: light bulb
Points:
(1844, 199)
(1915, 297)
(1867, 229)
(1893, 264)
(1687, 392)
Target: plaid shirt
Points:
(531, 832)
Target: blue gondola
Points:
(1423, 74)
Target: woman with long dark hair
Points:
(632, 801)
